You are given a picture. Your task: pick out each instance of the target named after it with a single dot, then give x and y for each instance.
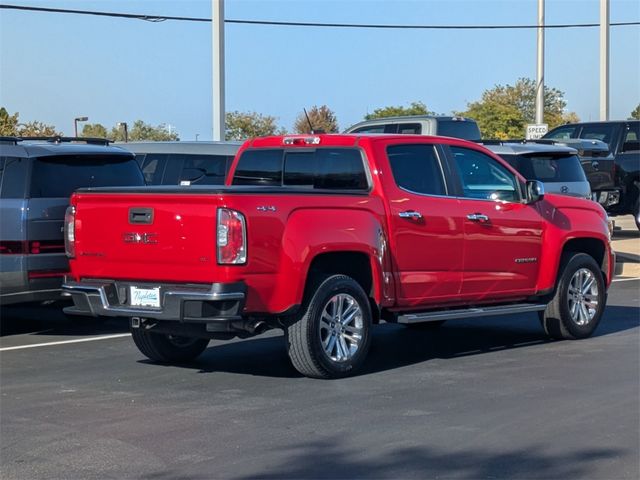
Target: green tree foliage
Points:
(321, 118)
(416, 108)
(8, 123)
(636, 113)
(505, 110)
(94, 130)
(140, 131)
(10, 126)
(243, 125)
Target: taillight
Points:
(70, 232)
(231, 237)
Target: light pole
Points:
(540, 66)
(217, 33)
(75, 123)
(126, 130)
(604, 59)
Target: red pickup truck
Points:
(324, 236)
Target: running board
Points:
(470, 313)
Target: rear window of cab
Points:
(321, 168)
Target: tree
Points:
(321, 118)
(144, 131)
(636, 113)
(94, 130)
(10, 126)
(505, 110)
(416, 108)
(8, 123)
(37, 129)
(243, 125)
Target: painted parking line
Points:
(64, 342)
(625, 279)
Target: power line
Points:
(162, 18)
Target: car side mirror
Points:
(535, 191)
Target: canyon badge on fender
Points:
(526, 260)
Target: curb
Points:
(627, 265)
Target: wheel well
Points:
(590, 246)
(353, 264)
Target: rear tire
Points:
(579, 299)
(331, 335)
(636, 215)
(164, 348)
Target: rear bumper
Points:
(189, 303)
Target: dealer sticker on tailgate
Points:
(145, 297)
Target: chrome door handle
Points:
(410, 214)
(478, 217)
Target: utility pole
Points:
(217, 46)
(540, 66)
(604, 59)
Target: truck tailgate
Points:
(136, 236)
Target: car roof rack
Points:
(61, 139)
(9, 139)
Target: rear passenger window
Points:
(484, 178)
(410, 128)
(14, 177)
(259, 167)
(204, 169)
(416, 168)
(153, 167)
(324, 168)
(340, 169)
(59, 176)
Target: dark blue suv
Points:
(37, 176)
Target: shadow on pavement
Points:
(39, 319)
(394, 346)
(330, 458)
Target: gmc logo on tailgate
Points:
(133, 237)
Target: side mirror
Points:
(535, 191)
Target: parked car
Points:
(558, 167)
(324, 235)
(616, 184)
(36, 180)
(176, 163)
(458, 127)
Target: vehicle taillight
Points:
(70, 232)
(231, 237)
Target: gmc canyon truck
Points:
(324, 236)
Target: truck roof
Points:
(342, 139)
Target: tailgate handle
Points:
(140, 215)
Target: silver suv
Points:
(556, 166)
(37, 176)
(458, 127)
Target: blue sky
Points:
(54, 67)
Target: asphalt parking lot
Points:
(484, 399)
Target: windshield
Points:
(547, 168)
(59, 176)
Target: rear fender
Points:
(313, 232)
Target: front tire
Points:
(331, 335)
(636, 215)
(164, 348)
(579, 300)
